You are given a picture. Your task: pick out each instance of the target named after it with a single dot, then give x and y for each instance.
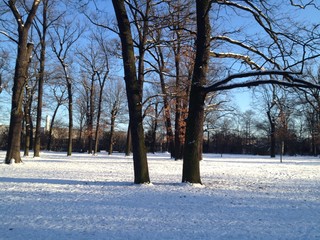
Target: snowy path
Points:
(92, 197)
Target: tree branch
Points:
(8, 36)
(244, 58)
(291, 81)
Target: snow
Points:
(93, 197)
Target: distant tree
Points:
(161, 68)
(58, 96)
(95, 62)
(30, 89)
(41, 24)
(183, 54)
(247, 120)
(311, 108)
(63, 38)
(4, 68)
(115, 101)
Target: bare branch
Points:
(244, 58)
(288, 76)
(303, 6)
(247, 47)
(8, 36)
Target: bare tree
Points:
(30, 89)
(115, 101)
(134, 86)
(41, 25)
(63, 39)
(24, 18)
(191, 171)
(59, 97)
(95, 62)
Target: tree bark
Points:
(90, 115)
(191, 157)
(128, 142)
(166, 105)
(28, 121)
(37, 142)
(20, 78)
(272, 136)
(111, 136)
(134, 95)
(70, 111)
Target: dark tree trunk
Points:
(28, 122)
(97, 136)
(134, 95)
(166, 105)
(37, 142)
(178, 121)
(51, 127)
(70, 111)
(272, 136)
(128, 142)
(20, 79)
(111, 136)
(90, 120)
(154, 130)
(191, 157)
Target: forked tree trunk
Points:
(191, 157)
(134, 95)
(19, 81)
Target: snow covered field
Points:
(92, 197)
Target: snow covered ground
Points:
(92, 197)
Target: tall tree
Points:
(134, 88)
(191, 157)
(63, 39)
(25, 48)
(41, 25)
(191, 170)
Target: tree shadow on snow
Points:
(64, 182)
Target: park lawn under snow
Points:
(92, 197)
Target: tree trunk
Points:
(128, 142)
(90, 120)
(28, 122)
(166, 106)
(20, 79)
(37, 142)
(97, 136)
(51, 126)
(154, 130)
(134, 95)
(70, 111)
(191, 157)
(272, 136)
(177, 136)
(111, 136)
